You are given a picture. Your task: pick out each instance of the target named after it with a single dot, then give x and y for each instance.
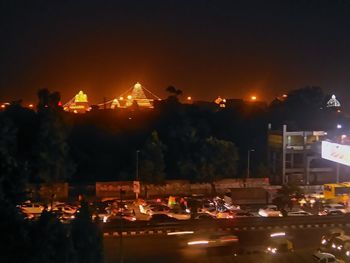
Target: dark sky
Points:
(206, 48)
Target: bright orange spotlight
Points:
(189, 98)
(129, 97)
(253, 98)
(30, 105)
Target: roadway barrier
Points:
(237, 224)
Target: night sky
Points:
(206, 48)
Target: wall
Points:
(176, 187)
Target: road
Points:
(169, 249)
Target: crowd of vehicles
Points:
(181, 208)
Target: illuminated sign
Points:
(335, 152)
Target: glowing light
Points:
(278, 234)
(121, 98)
(81, 97)
(3, 106)
(30, 105)
(75, 111)
(339, 126)
(199, 242)
(180, 233)
(285, 96)
(189, 98)
(137, 85)
(129, 97)
(253, 98)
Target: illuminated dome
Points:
(137, 86)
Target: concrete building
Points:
(295, 156)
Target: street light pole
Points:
(248, 162)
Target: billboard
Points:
(335, 152)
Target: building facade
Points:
(295, 156)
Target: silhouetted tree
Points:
(53, 162)
(13, 172)
(50, 241)
(152, 161)
(87, 237)
(216, 159)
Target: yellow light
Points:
(137, 85)
(253, 98)
(121, 98)
(81, 97)
(30, 105)
(129, 97)
(189, 98)
(284, 95)
(3, 106)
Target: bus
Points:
(337, 193)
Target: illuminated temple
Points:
(133, 97)
(78, 104)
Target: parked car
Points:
(242, 213)
(154, 209)
(323, 257)
(339, 207)
(180, 215)
(331, 212)
(299, 213)
(269, 211)
(31, 208)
